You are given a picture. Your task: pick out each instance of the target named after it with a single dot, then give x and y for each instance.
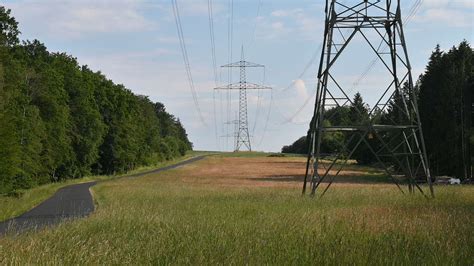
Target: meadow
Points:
(249, 210)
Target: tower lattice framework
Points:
(242, 135)
(396, 142)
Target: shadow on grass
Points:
(373, 179)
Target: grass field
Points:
(249, 210)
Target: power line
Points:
(214, 64)
(213, 43)
(230, 36)
(253, 37)
(184, 52)
(257, 112)
(288, 120)
(306, 68)
(259, 99)
(268, 118)
(303, 73)
(221, 108)
(413, 10)
(259, 5)
(215, 120)
(307, 100)
(305, 103)
(258, 102)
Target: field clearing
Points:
(249, 211)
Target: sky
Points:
(135, 43)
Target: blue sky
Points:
(135, 43)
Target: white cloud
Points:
(287, 13)
(79, 18)
(147, 72)
(451, 17)
(278, 26)
(189, 8)
(294, 105)
(297, 23)
(300, 88)
(103, 19)
(167, 40)
(451, 3)
(453, 13)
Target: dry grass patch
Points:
(266, 172)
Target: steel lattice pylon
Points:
(397, 144)
(242, 135)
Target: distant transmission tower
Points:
(243, 136)
(396, 142)
(235, 134)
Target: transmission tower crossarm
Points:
(243, 64)
(244, 85)
(368, 128)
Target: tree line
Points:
(444, 95)
(60, 120)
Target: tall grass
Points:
(163, 219)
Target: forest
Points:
(444, 96)
(61, 120)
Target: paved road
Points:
(69, 202)
(192, 160)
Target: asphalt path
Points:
(70, 202)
